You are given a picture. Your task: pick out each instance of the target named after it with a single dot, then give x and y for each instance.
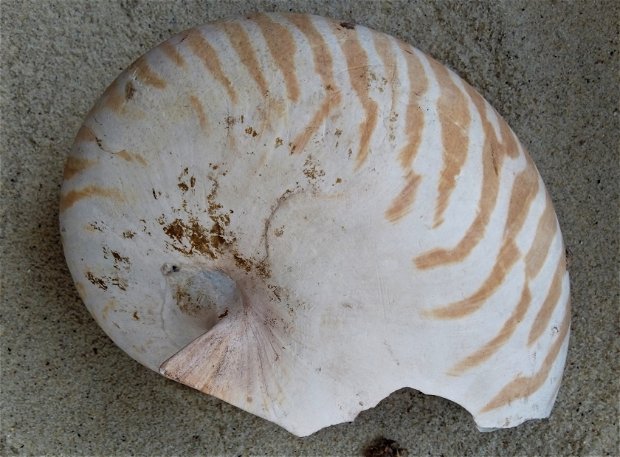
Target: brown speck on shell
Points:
(130, 90)
(99, 282)
(251, 131)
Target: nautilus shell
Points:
(300, 216)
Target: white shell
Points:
(300, 217)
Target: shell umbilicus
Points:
(300, 216)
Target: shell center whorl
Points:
(196, 299)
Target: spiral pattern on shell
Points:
(300, 216)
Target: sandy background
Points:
(551, 68)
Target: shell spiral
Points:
(300, 216)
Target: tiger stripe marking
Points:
(490, 348)
(534, 260)
(200, 111)
(74, 196)
(545, 233)
(508, 256)
(243, 47)
(524, 386)
(75, 166)
(383, 47)
(357, 65)
(200, 47)
(282, 48)
(524, 191)
(403, 202)
(454, 120)
(551, 300)
(173, 54)
(510, 145)
(85, 135)
(132, 157)
(476, 231)
(418, 84)
(307, 132)
(493, 155)
(113, 98)
(323, 65)
(145, 74)
(414, 124)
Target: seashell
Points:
(300, 216)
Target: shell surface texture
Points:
(300, 216)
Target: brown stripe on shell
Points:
(243, 47)
(72, 197)
(524, 191)
(281, 44)
(300, 141)
(402, 204)
(454, 121)
(474, 234)
(200, 111)
(113, 98)
(498, 340)
(545, 233)
(323, 65)
(383, 46)
(533, 262)
(504, 145)
(199, 45)
(131, 157)
(172, 53)
(116, 95)
(144, 73)
(357, 66)
(524, 386)
(509, 144)
(507, 257)
(493, 155)
(76, 165)
(418, 83)
(551, 300)
(85, 134)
